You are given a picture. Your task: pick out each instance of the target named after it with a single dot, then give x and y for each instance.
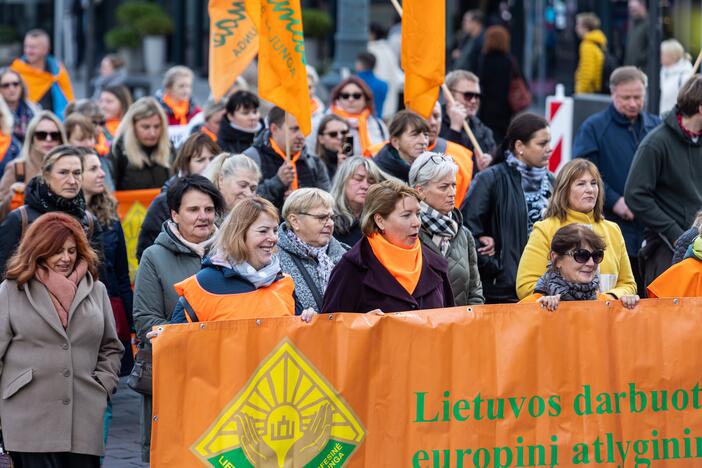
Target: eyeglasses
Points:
(45, 136)
(436, 159)
(583, 255)
(11, 84)
(322, 218)
(346, 96)
(468, 95)
(335, 134)
(99, 123)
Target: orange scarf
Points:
(180, 109)
(209, 133)
(362, 120)
(403, 263)
(293, 160)
(5, 141)
(111, 126)
(314, 105)
(102, 146)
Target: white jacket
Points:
(672, 79)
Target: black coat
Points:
(128, 177)
(495, 73)
(156, 214)
(390, 162)
(482, 133)
(360, 283)
(351, 236)
(11, 228)
(233, 140)
(311, 171)
(495, 207)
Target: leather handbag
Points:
(5, 459)
(519, 96)
(121, 324)
(140, 379)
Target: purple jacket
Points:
(360, 283)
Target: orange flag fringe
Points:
(233, 43)
(423, 49)
(282, 78)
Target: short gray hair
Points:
(627, 74)
(431, 166)
(173, 73)
(455, 76)
(228, 164)
(304, 199)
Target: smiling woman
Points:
(389, 269)
(578, 197)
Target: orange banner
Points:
(282, 78)
(488, 386)
(233, 44)
(423, 53)
(132, 206)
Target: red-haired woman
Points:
(353, 101)
(58, 346)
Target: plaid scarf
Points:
(442, 228)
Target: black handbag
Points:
(140, 379)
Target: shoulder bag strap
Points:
(310, 282)
(24, 219)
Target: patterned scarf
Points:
(537, 188)
(443, 228)
(553, 283)
(259, 278)
(48, 201)
(324, 263)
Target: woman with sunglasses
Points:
(44, 133)
(578, 197)
(331, 139)
(308, 252)
(14, 91)
(352, 100)
(576, 251)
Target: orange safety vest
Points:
(683, 279)
(275, 300)
(536, 296)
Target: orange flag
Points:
(282, 78)
(423, 48)
(233, 43)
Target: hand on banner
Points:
(313, 440)
(307, 315)
(488, 246)
(630, 301)
(17, 187)
(457, 114)
(286, 173)
(375, 312)
(153, 334)
(622, 210)
(255, 448)
(549, 302)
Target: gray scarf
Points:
(536, 186)
(259, 278)
(324, 263)
(553, 283)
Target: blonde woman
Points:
(675, 70)
(141, 155)
(236, 176)
(9, 145)
(176, 98)
(44, 133)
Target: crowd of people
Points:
(370, 213)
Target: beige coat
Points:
(55, 383)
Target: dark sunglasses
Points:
(15, 84)
(99, 123)
(44, 136)
(335, 134)
(583, 255)
(468, 95)
(346, 96)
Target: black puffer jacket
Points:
(128, 177)
(234, 140)
(495, 207)
(36, 204)
(390, 162)
(311, 171)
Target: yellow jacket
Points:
(615, 270)
(588, 75)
